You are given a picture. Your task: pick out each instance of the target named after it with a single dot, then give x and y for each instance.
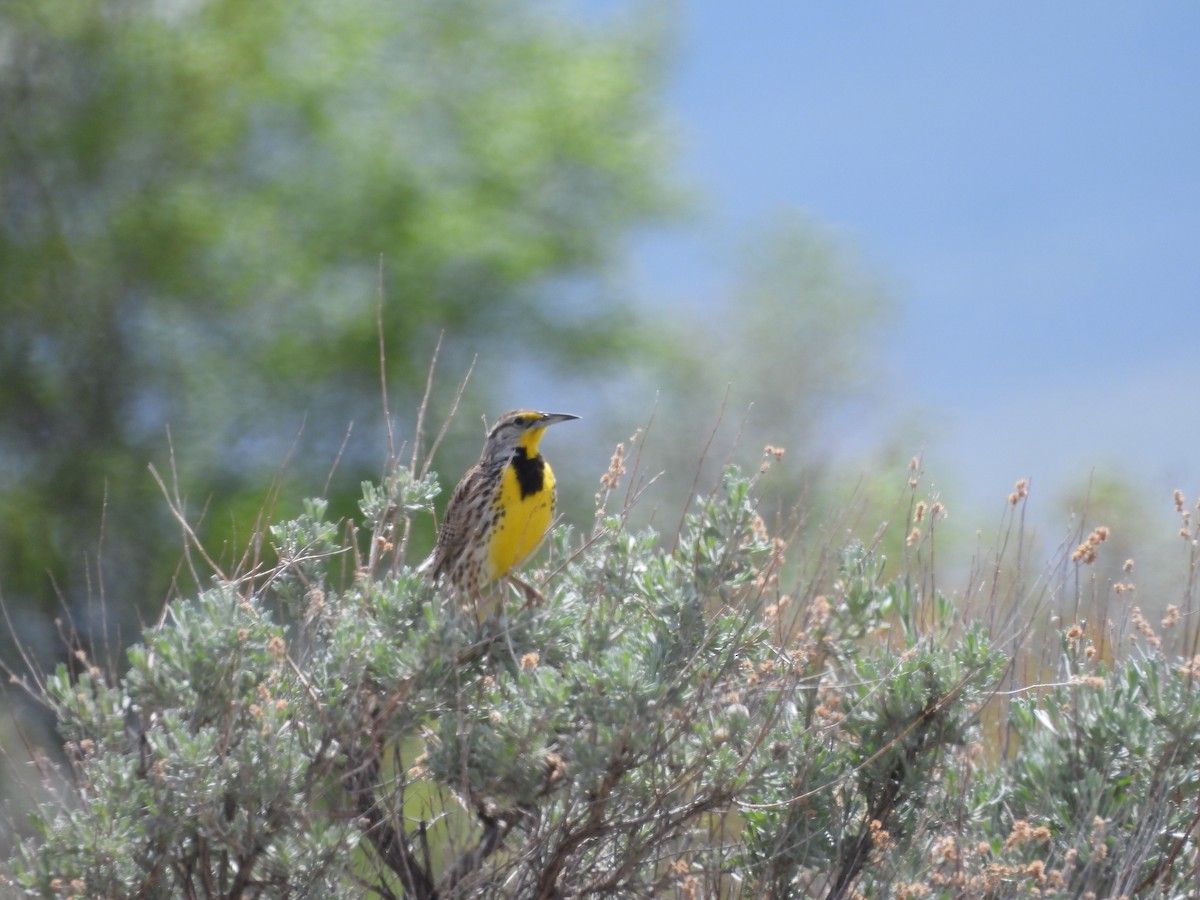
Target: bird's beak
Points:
(549, 419)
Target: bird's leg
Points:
(532, 595)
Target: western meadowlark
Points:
(500, 511)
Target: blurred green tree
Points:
(201, 203)
(788, 342)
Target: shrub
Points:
(667, 721)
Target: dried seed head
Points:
(616, 468)
(1020, 491)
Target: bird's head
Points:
(520, 428)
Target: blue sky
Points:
(1025, 180)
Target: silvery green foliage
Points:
(666, 719)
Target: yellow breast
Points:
(521, 522)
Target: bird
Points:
(500, 511)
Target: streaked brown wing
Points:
(456, 535)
